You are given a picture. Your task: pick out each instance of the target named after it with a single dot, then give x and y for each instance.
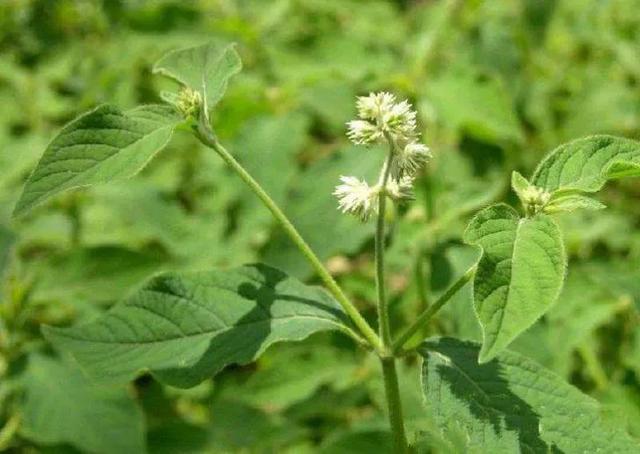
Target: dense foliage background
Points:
(497, 84)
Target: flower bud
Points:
(189, 102)
(534, 199)
(401, 189)
(409, 159)
(380, 115)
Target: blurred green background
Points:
(497, 84)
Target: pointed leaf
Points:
(519, 183)
(102, 145)
(185, 327)
(586, 164)
(519, 276)
(62, 406)
(512, 404)
(206, 69)
(572, 203)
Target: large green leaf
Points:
(62, 406)
(102, 145)
(520, 273)
(586, 164)
(185, 327)
(512, 404)
(205, 69)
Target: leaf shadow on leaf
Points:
(490, 400)
(251, 335)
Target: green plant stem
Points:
(384, 326)
(394, 404)
(431, 310)
(390, 375)
(209, 139)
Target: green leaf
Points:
(185, 327)
(62, 406)
(519, 183)
(586, 164)
(102, 145)
(572, 203)
(206, 69)
(512, 404)
(519, 276)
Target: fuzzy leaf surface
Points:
(62, 406)
(206, 69)
(586, 164)
(102, 145)
(512, 404)
(519, 276)
(572, 203)
(185, 327)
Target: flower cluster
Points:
(382, 119)
(188, 102)
(535, 199)
(357, 197)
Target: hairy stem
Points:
(431, 310)
(383, 310)
(390, 375)
(394, 405)
(209, 139)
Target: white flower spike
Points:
(356, 197)
(409, 159)
(362, 132)
(375, 105)
(401, 189)
(381, 115)
(382, 119)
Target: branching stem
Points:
(207, 137)
(426, 315)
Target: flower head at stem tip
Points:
(380, 115)
(382, 119)
(189, 102)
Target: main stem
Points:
(384, 326)
(209, 139)
(389, 372)
(394, 404)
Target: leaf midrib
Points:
(214, 334)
